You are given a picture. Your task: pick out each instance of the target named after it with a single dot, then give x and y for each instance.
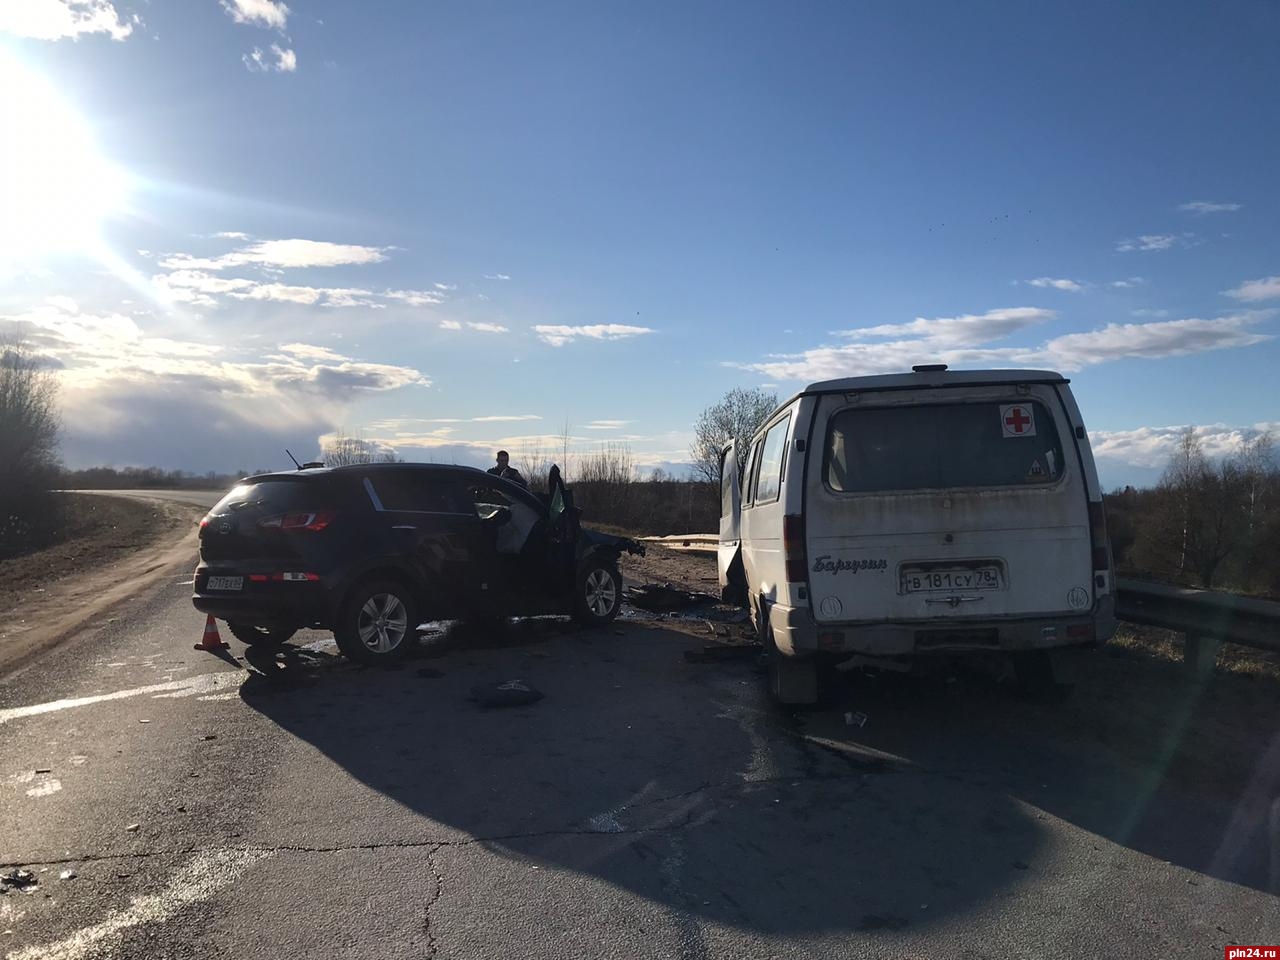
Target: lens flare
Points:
(56, 188)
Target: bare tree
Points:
(611, 463)
(736, 417)
(1257, 460)
(29, 424)
(1196, 521)
(534, 463)
(343, 451)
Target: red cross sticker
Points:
(1017, 421)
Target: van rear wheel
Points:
(793, 681)
(1036, 677)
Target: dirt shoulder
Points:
(108, 548)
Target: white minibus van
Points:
(889, 518)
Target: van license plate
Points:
(225, 583)
(969, 578)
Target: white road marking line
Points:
(196, 881)
(45, 789)
(191, 686)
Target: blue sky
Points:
(453, 226)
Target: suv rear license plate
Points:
(224, 583)
(963, 578)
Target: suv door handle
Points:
(404, 526)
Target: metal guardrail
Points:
(689, 542)
(1207, 618)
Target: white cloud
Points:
(506, 419)
(496, 276)
(260, 61)
(1149, 313)
(1070, 286)
(307, 296)
(1152, 447)
(607, 424)
(65, 304)
(61, 19)
(450, 325)
(307, 351)
(295, 254)
(958, 331)
(446, 287)
(231, 235)
(1203, 207)
(415, 298)
(488, 327)
(558, 335)
(265, 13)
(1070, 352)
(1267, 288)
(1128, 284)
(1153, 241)
(196, 286)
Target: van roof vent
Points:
(929, 367)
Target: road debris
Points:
(855, 718)
(512, 693)
(67, 875)
(18, 879)
(664, 597)
(44, 769)
(133, 828)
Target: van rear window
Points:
(941, 446)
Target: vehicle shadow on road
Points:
(1183, 770)
(674, 781)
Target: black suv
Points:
(372, 551)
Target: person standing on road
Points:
(506, 471)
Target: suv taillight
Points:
(793, 550)
(313, 521)
(1098, 536)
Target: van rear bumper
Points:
(796, 633)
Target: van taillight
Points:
(313, 521)
(797, 561)
(1098, 534)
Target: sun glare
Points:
(56, 188)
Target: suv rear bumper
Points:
(796, 633)
(294, 603)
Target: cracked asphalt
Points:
(648, 807)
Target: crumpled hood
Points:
(594, 538)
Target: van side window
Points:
(772, 458)
(941, 446)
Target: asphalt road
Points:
(647, 807)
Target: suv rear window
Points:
(276, 495)
(940, 446)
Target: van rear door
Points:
(730, 514)
(956, 502)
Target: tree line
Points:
(1209, 522)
